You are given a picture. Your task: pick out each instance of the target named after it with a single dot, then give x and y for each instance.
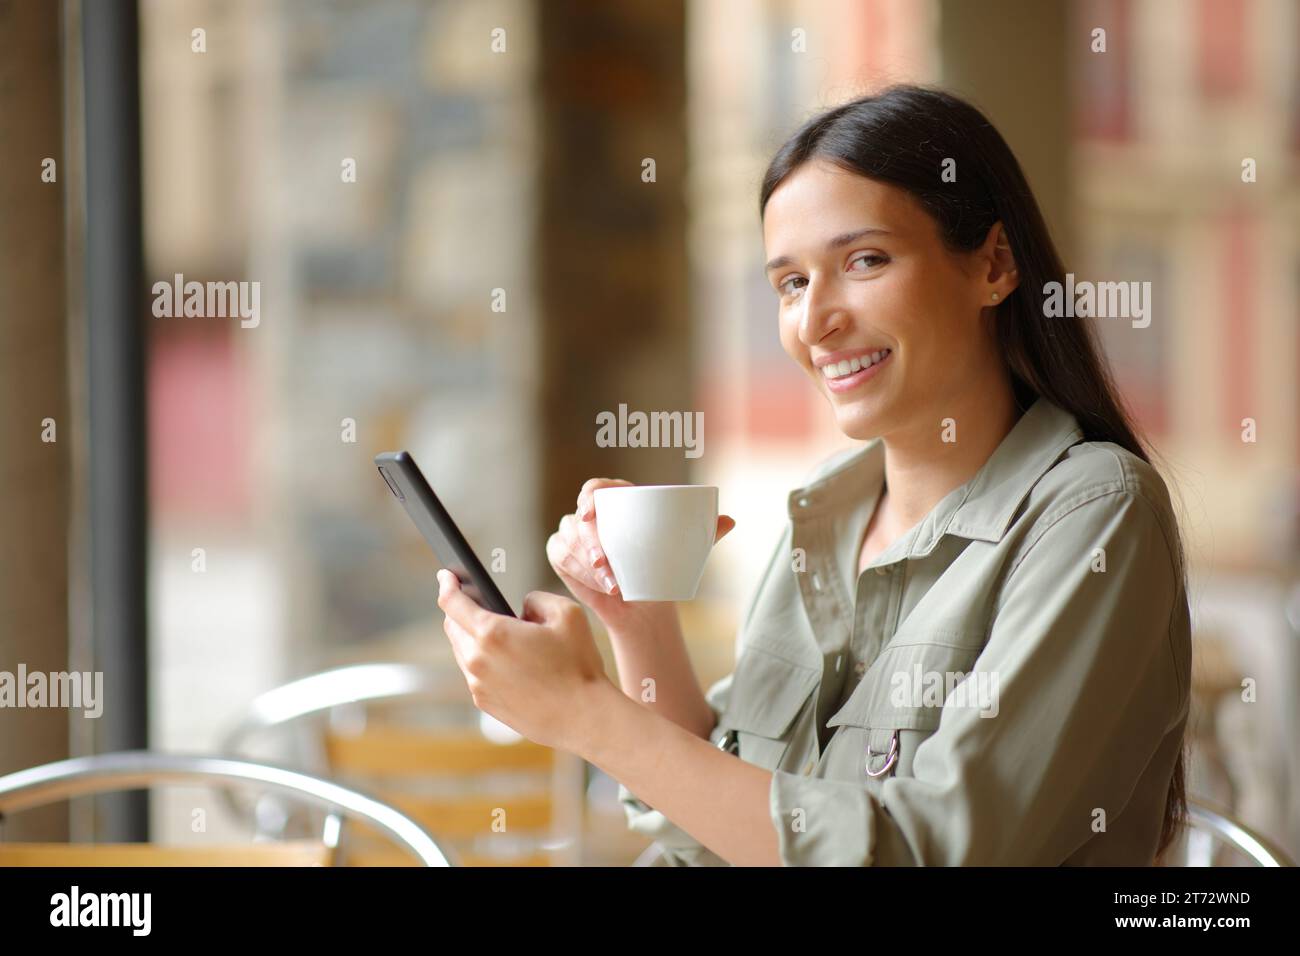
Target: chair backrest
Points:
(458, 782)
(404, 763)
(136, 769)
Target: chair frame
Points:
(315, 695)
(340, 686)
(346, 686)
(138, 769)
(1217, 821)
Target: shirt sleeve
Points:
(1087, 686)
(679, 847)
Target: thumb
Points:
(541, 607)
(725, 524)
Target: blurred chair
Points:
(1215, 678)
(411, 734)
(137, 769)
(653, 855)
(1212, 830)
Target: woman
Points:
(971, 645)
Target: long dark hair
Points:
(902, 136)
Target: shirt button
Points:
(860, 668)
(803, 502)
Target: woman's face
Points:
(863, 276)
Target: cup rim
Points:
(654, 488)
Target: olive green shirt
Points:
(1006, 684)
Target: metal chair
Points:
(137, 769)
(1209, 825)
(351, 745)
(354, 684)
(650, 856)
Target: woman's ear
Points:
(1001, 275)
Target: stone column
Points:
(34, 471)
(1010, 57)
(611, 248)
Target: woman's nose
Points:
(822, 315)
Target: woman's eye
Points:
(872, 259)
(878, 259)
(782, 288)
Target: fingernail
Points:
(593, 555)
(607, 580)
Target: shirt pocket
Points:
(898, 704)
(768, 696)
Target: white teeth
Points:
(856, 364)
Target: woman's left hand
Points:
(539, 674)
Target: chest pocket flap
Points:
(767, 693)
(907, 685)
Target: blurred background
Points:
(460, 253)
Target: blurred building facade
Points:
(369, 165)
(276, 548)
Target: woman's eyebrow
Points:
(841, 240)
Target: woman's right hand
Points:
(577, 557)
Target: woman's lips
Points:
(846, 383)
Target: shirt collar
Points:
(981, 509)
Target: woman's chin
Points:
(858, 420)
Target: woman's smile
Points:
(847, 374)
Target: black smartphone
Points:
(407, 483)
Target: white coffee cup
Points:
(657, 538)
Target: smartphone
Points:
(407, 483)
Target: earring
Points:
(995, 297)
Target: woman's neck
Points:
(928, 460)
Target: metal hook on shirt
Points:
(893, 757)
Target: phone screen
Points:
(408, 485)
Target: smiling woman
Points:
(1002, 534)
(1003, 521)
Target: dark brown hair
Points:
(902, 136)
